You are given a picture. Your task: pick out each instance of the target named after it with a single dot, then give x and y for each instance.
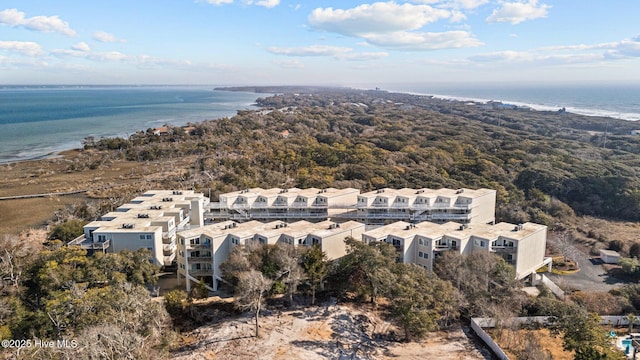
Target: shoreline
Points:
(66, 153)
(631, 117)
(272, 90)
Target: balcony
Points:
(168, 260)
(208, 259)
(202, 245)
(88, 244)
(450, 216)
(169, 234)
(503, 248)
(200, 272)
(445, 247)
(169, 247)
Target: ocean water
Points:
(36, 122)
(39, 121)
(616, 100)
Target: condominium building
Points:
(286, 204)
(464, 206)
(148, 221)
(202, 250)
(522, 246)
(375, 207)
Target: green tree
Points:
(67, 231)
(367, 268)
(581, 333)
(174, 302)
(200, 291)
(314, 263)
(420, 302)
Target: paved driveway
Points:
(591, 277)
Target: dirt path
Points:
(331, 332)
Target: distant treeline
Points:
(545, 165)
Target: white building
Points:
(374, 207)
(522, 246)
(415, 205)
(286, 204)
(148, 221)
(202, 250)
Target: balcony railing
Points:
(169, 247)
(88, 244)
(198, 246)
(503, 248)
(169, 234)
(168, 260)
(201, 272)
(200, 259)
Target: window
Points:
(421, 241)
(182, 241)
(420, 254)
(235, 241)
(480, 243)
(396, 242)
(207, 241)
(149, 237)
(195, 241)
(141, 237)
(102, 238)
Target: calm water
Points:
(620, 101)
(38, 121)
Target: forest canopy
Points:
(545, 165)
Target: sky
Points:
(345, 42)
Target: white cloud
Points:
(625, 48)
(365, 56)
(469, 4)
(457, 16)
(396, 26)
(290, 64)
(313, 50)
(15, 18)
(219, 2)
(81, 46)
(379, 17)
(337, 52)
(406, 40)
(516, 57)
(454, 4)
(28, 48)
(265, 3)
(517, 12)
(105, 37)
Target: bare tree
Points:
(16, 252)
(288, 260)
(565, 243)
(251, 291)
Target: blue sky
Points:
(236, 42)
